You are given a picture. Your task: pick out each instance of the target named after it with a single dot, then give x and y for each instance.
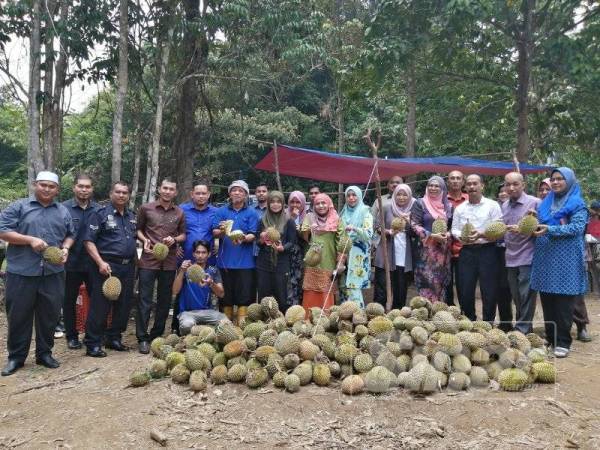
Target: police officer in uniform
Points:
(110, 241)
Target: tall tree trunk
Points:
(47, 144)
(158, 118)
(137, 151)
(341, 135)
(525, 55)
(193, 57)
(117, 133)
(34, 158)
(411, 116)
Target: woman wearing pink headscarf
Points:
(322, 227)
(296, 211)
(432, 267)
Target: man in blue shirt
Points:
(261, 192)
(235, 258)
(34, 287)
(110, 240)
(195, 298)
(199, 216)
(81, 206)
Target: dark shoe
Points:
(583, 335)
(47, 361)
(73, 344)
(144, 347)
(116, 345)
(95, 352)
(11, 367)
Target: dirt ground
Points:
(86, 404)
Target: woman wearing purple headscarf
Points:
(296, 211)
(432, 265)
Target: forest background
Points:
(198, 88)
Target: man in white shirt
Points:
(478, 259)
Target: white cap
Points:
(45, 175)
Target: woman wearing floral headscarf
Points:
(321, 228)
(358, 225)
(558, 270)
(432, 268)
(273, 260)
(296, 211)
(399, 248)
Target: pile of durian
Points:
(422, 348)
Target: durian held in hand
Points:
(53, 255)
(527, 226)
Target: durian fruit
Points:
(420, 313)
(165, 350)
(528, 224)
(295, 313)
(403, 379)
(254, 312)
(207, 350)
(180, 374)
(437, 307)
(267, 338)
(139, 377)
(156, 345)
(175, 358)
(313, 255)
(344, 244)
(292, 383)
(225, 332)
(218, 375)
(439, 226)
(464, 324)
(257, 378)
(335, 368)
(227, 226)
(352, 385)
(398, 224)
(387, 360)
(198, 381)
(479, 377)
(195, 273)
(466, 231)
(234, 348)
(418, 359)
(236, 235)
(270, 307)
(111, 288)
(544, 372)
(205, 333)
(237, 360)
(495, 230)
(422, 379)
(53, 255)
(287, 342)
(191, 341)
(361, 331)
(508, 358)
(482, 325)
(480, 357)
(535, 340)
(321, 374)
(159, 369)
(195, 360)
(449, 344)
(262, 353)
(308, 351)
(442, 362)
(537, 355)
(493, 369)
(418, 302)
(254, 329)
(363, 362)
(304, 372)
(273, 234)
(172, 339)
(403, 363)
(160, 251)
(279, 379)
(378, 380)
(419, 335)
(237, 373)
(513, 379)
(394, 348)
(445, 322)
(460, 363)
(275, 364)
(374, 309)
(291, 361)
(519, 341)
(347, 309)
(458, 381)
(379, 324)
(405, 342)
(345, 353)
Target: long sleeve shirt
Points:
(519, 248)
(480, 215)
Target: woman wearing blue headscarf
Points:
(358, 224)
(558, 269)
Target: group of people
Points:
(304, 253)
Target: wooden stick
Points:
(386, 262)
(51, 383)
(277, 177)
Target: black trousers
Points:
(96, 326)
(400, 281)
(478, 263)
(164, 287)
(73, 281)
(580, 314)
(503, 294)
(453, 280)
(273, 284)
(558, 318)
(239, 287)
(28, 300)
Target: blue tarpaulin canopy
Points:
(325, 166)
